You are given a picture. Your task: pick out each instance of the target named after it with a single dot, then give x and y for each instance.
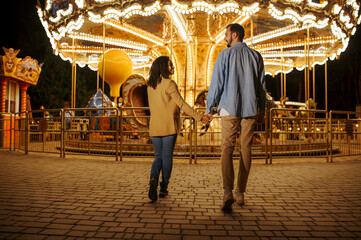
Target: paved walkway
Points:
(45, 197)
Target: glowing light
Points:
(136, 31)
(296, 18)
(107, 40)
(48, 5)
(46, 27)
(140, 59)
(273, 34)
(277, 63)
(292, 53)
(296, 43)
(338, 19)
(336, 9)
(65, 48)
(317, 5)
(147, 65)
(179, 23)
(210, 65)
(103, 1)
(79, 3)
(215, 8)
(72, 25)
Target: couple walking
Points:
(237, 87)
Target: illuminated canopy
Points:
(288, 33)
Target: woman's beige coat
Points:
(165, 103)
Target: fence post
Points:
(266, 136)
(331, 137)
(27, 139)
(116, 135)
(338, 135)
(271, 130)
(190, 139)
(11, 129)
(300, 139)
(327, 137)
(89, 130)
(121, 134)
(195, 140)
(62, 139)
(348, 136)
(359, 132)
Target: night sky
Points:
(22, 30)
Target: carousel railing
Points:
(345, 133)
(42, 132)
(296, 133)
(114, 132)
(207, 140)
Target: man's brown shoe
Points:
(228, 200)
(239, 198)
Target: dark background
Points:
(22, 29)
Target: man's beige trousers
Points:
(230, 125)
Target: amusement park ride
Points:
(120, 40)
(288, 33)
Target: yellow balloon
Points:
(118, 67)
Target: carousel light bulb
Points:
(179, 24)
(48, 5)
(336, 9)
(79, 3)
(317, 5)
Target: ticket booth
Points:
(16, 75)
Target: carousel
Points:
(289, 34)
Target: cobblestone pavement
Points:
(46, 197)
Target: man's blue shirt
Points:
(238, 83)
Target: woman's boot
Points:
(163, 190)
(153, 185)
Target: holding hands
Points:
(207, 118)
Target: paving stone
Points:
(43, 196)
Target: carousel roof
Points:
(288, 33)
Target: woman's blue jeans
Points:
(163, 148)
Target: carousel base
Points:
(145, 148)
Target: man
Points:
(239, 89)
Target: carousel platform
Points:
(143, 147)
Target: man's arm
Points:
(262, 88)
(216, 88)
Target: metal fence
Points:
(345, 130)
(295, 132)
(123, 132)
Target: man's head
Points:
(234, 33)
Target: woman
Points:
(165, 103)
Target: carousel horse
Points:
(201, 102)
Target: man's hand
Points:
(207, 118)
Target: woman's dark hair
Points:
(236, 28)
(158, 70)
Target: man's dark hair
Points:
(158, 70)
(236, 28)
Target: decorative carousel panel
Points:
(135, 96)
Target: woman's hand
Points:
(207, 118)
